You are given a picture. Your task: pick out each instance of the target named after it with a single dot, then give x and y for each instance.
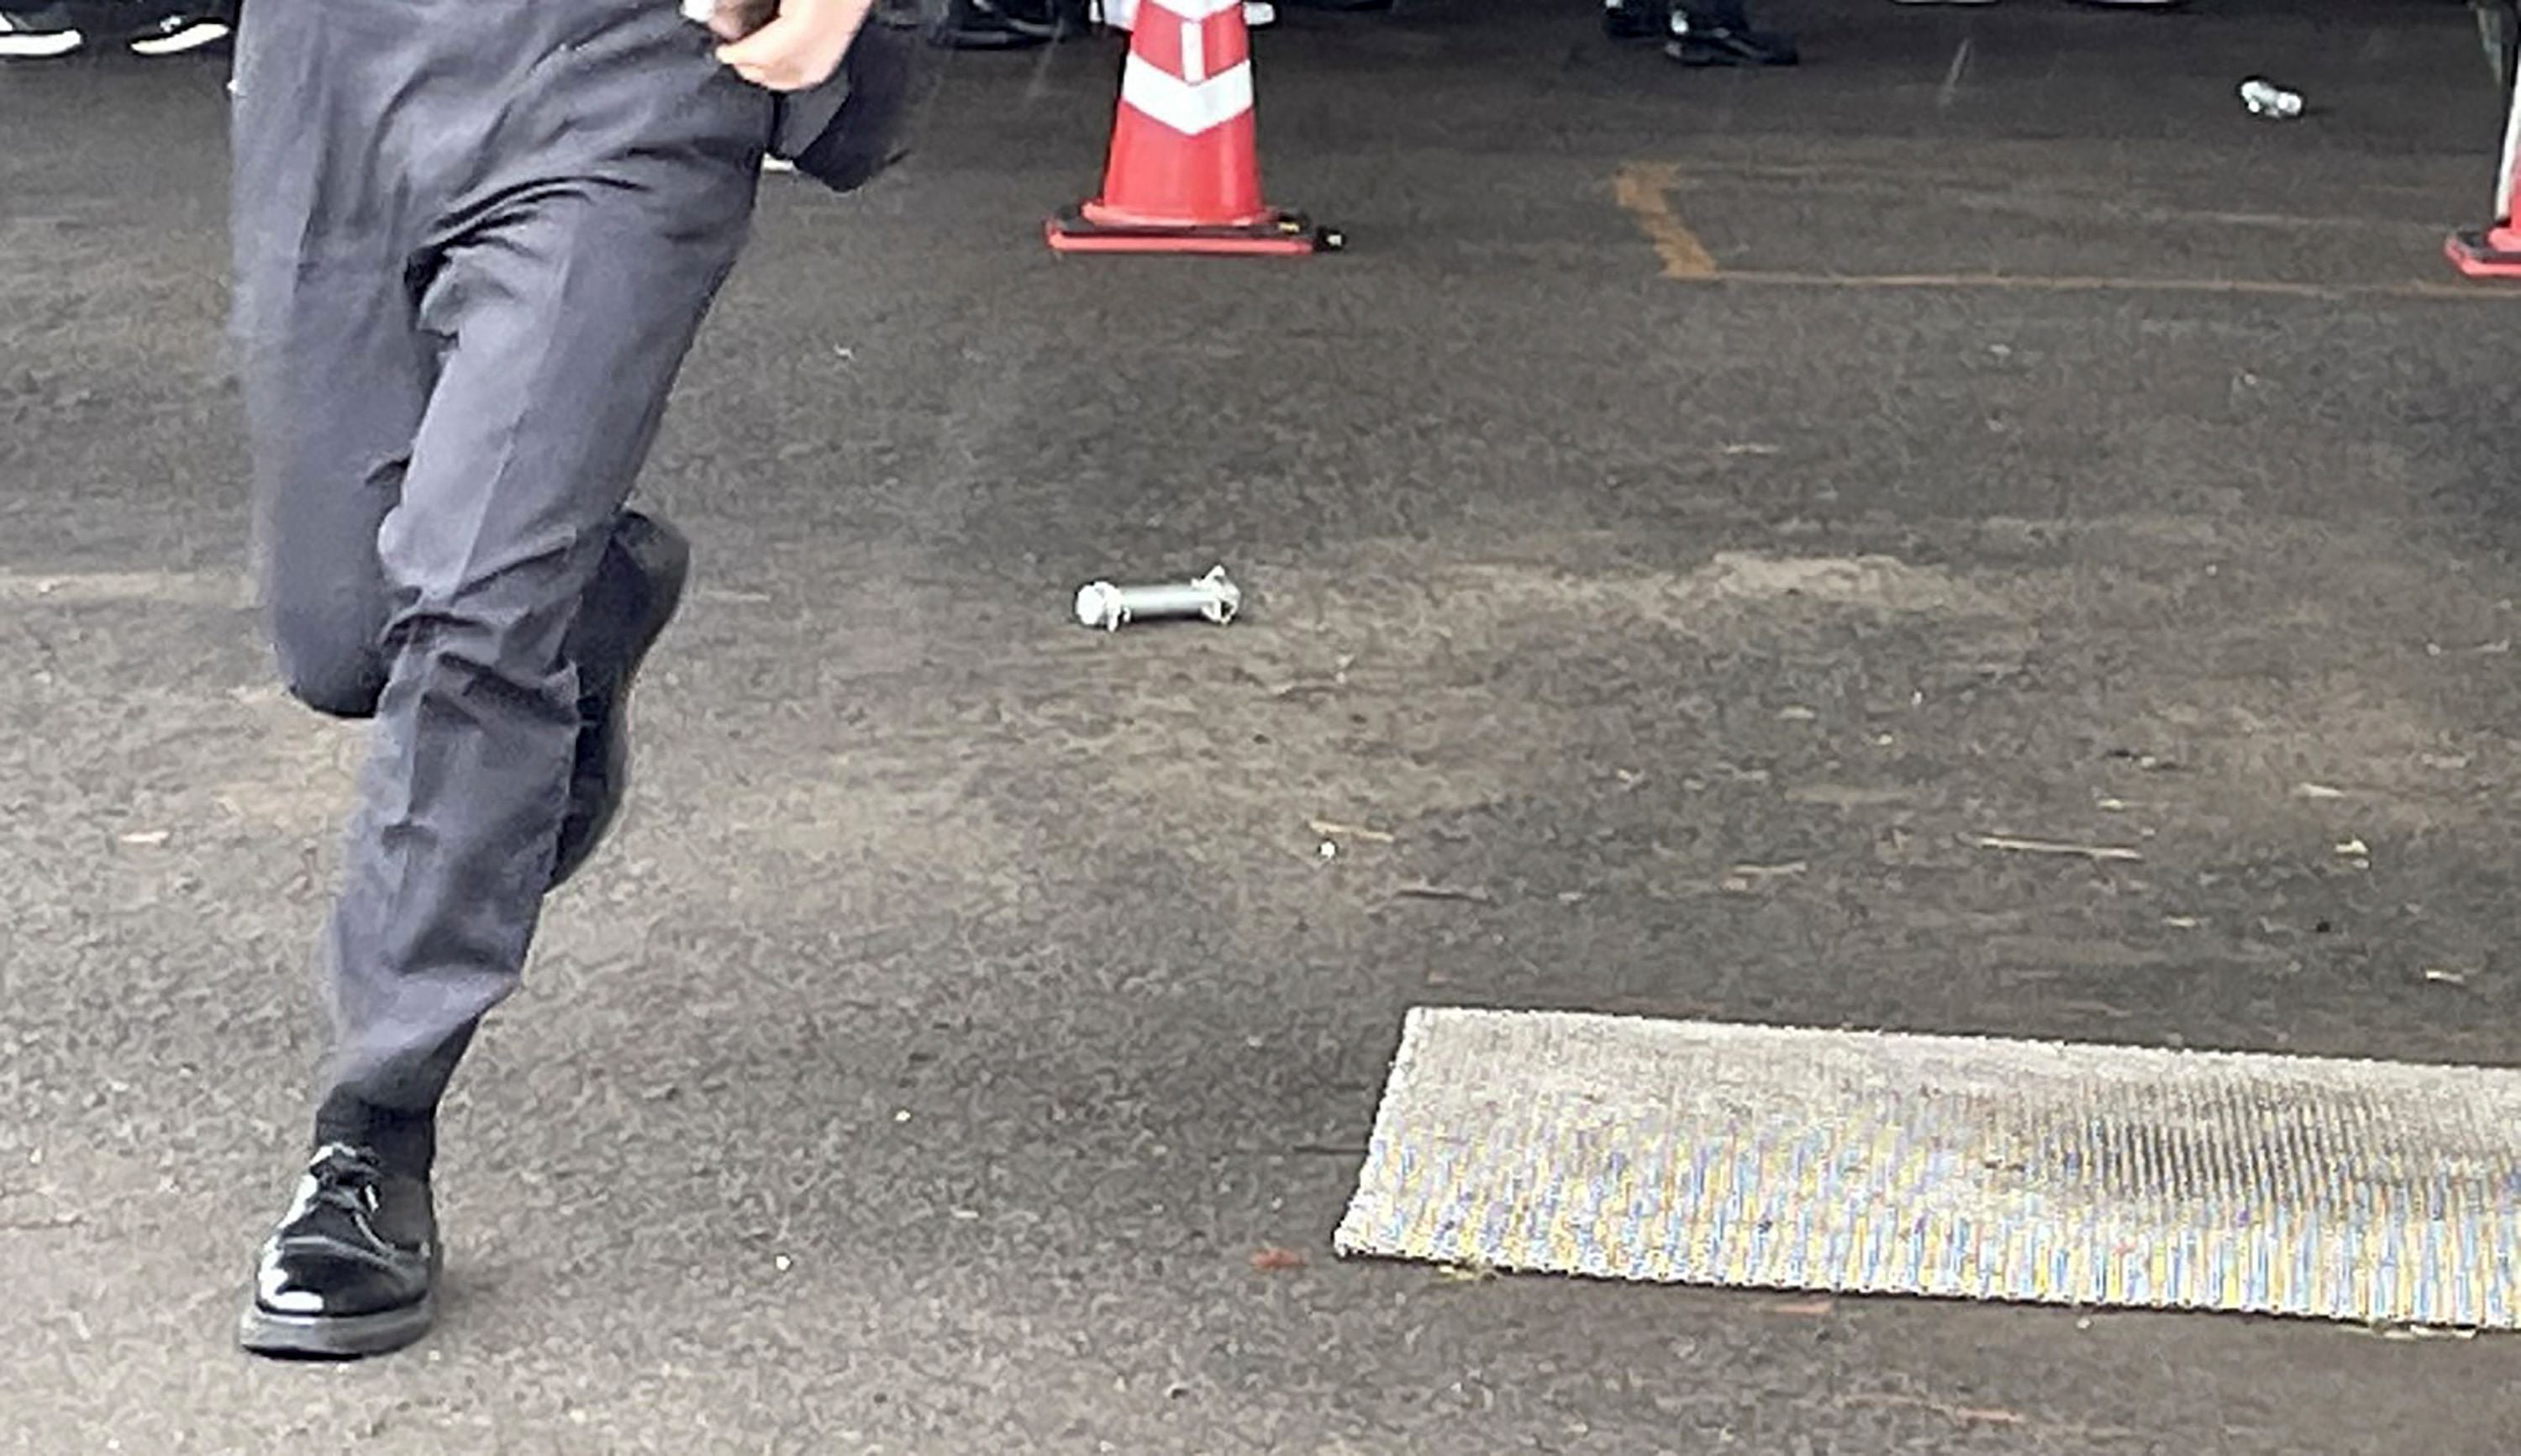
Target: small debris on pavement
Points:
(1214, 597)
(1967, 1415)
(147, 838)
(2150, 763)
(2415, 1332)
(2319, 791)
(1332, 830)
(1465, 1273)
(1750, 449)
(2111, 852)
(2440, 976)
(1796, 714)
(1472, 895)
(1742, 879)
(1273, 1259)
(2354, 849)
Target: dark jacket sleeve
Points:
(844, 131)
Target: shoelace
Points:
(344, 1178)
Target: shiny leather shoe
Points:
(1717, 32)
(636, 592)
(1000, 24)
(1631, 20)
(352, 1268)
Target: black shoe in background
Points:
(40, 32)
(183, 28)
(1004, 25)
(351, 1270)
(1632, 20)
(1718, 32)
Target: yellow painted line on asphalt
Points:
(2073, 284)
(1644, 191)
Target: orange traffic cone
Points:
(1184, 174)
(2495, 251)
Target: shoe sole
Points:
(190, 39)
(49, 46)
(309, 1337)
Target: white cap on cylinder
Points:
(1098, 605)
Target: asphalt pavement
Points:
(1694, 508)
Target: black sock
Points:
(404, 1142)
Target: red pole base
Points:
(2484, 252)
(1278, 233)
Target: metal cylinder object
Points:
(2264, 97)
(1213, 596)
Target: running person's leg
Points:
(533, 207)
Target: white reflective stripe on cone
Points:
(1123, 14)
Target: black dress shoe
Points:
(1717, 32)
(1632, 20)
(636, 592)
(183, 28)
(1003, 25)
(352, 1268)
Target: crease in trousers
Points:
(473, 241)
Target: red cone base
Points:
(1091, 228)
(2486, 252)
(1183, 174)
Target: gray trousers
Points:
(473, 241)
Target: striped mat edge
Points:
(1963, 1167)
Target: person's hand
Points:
(800, 47)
